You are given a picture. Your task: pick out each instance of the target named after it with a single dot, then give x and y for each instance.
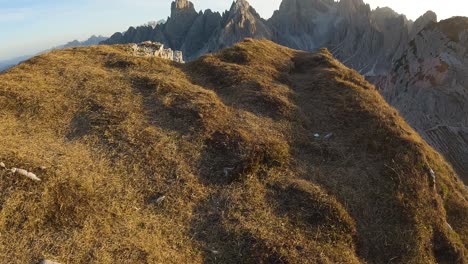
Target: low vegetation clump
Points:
(453, 27)
(221, 160)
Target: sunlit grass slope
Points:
(217, 161)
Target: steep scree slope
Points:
(216, 161)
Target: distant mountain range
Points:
(6, 64)
(93, 40)
(420, 67)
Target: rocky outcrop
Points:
(429, 85)
(422, 22)
(155, 49)
(240, 22)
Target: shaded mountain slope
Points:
(217, 161)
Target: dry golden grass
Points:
(228, 141)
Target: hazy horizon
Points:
(31, 26)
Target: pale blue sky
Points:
(29, 26)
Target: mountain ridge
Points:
(373, 42)
(257, 153)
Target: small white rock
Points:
(328, 136)
(316, 135)
(22, 172)
(45, 261)
(160, 199)
(32, 176)
(43, 168)
(2, 165)
(25, 173)
(449, 227)
(227, 171)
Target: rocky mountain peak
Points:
(242, 4)
(351, 5)
(240, 22)
(182, 6)
(424, 20)
(305, 6)
(242, 11)
(430, 15)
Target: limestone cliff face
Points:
(240, 22)
(304, 25)
(429, 85)
(363, 39)
(420, 23)
(183, 15)
(199, 34)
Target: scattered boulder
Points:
(2, 165)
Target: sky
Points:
(30, 26)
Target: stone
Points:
(25, 173)
(328, 136)
(160, 199)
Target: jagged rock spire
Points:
(241, 4)
(182, 6)
(350, 7)
(422, 22)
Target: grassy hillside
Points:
(452, 27)
(217, 161)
